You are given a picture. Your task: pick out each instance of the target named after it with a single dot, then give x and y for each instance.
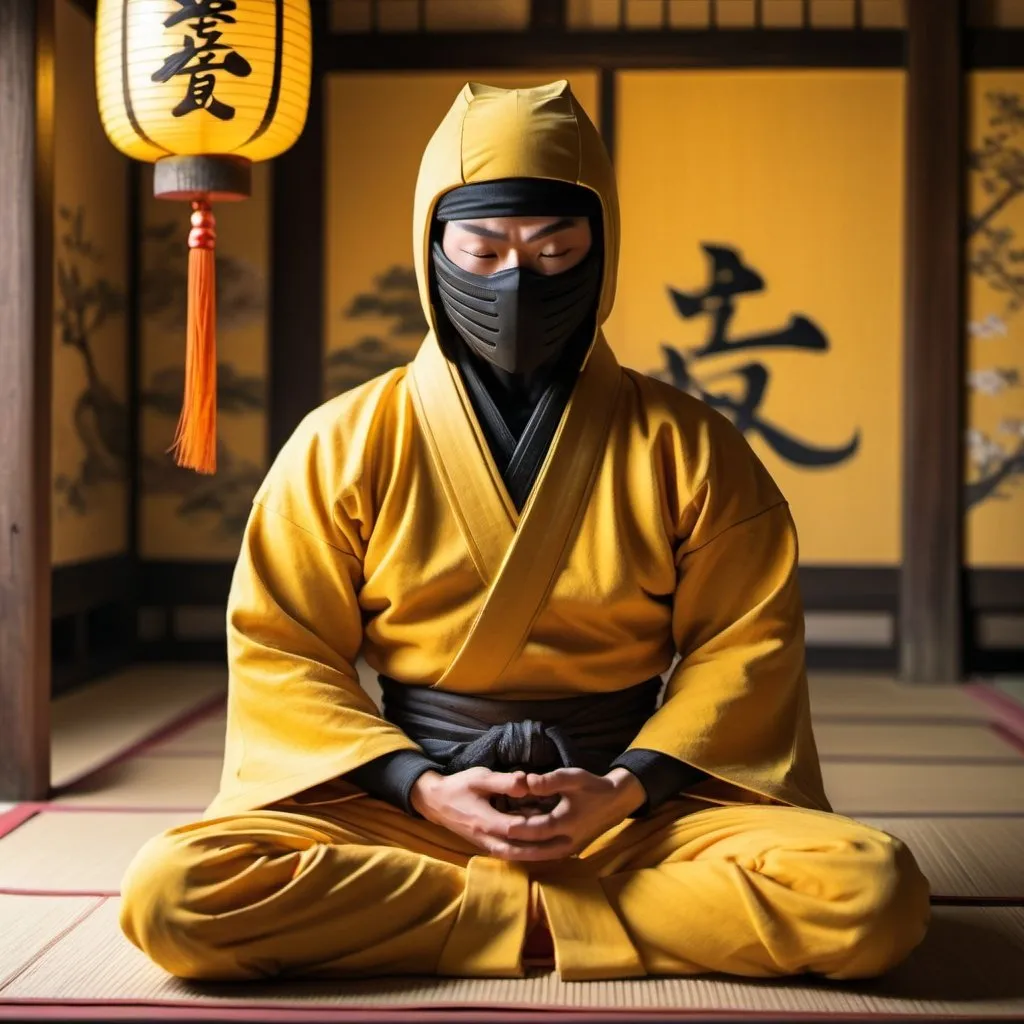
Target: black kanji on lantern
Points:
(731, 277)
(198, 56)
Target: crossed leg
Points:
(762, 891)
(356, 887)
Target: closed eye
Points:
(554, 255)
(481, 255)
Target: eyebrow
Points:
(551, 229)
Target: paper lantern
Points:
(201, 88)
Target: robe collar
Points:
(518, 555)
(519, 448)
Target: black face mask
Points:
(517, 319)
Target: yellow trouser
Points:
(356, 887)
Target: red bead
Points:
(203, 234)
(201, 238)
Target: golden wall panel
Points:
(90, 424)
(995, 321)
(762, 270)
(884, 13)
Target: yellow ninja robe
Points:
(384, 531)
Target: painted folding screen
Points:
(90, 380)
(994, 496)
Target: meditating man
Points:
(521, 537)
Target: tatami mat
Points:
(368, 681)
(206, 736)
(152, 783)
(907, 741)
(965, 858)
(891, 788)
(921, 763)
(29, 923)
(865, 696)
(87, 852)
(94, 724)
(1011, 687)
(968, 966)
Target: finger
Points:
(494, 823)
(533, 830)
(533, 810)
(505, 850)
(502, 784)
(538, 827)
(557, 782)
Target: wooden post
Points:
(931, 614)
(295, 381)
(26, 347)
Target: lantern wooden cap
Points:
(215, 179)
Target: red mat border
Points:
(175, 726)
(17, 816)
(21, 813)
(1009, 712)
(439, 1013)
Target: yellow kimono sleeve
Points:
(297, 716)
(736, 704)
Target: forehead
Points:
(515, 225)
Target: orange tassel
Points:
(195, 440)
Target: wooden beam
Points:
(82, 586)
(847, 588)
(607, 97)
(295, 379)
(931, 612)
(996, 590)
(723, 48)
(994, 49)
(26, 352)
(185, 583)
(852, 659)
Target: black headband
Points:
(518, 197)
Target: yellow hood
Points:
(491, 133)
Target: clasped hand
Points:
(555, 815)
